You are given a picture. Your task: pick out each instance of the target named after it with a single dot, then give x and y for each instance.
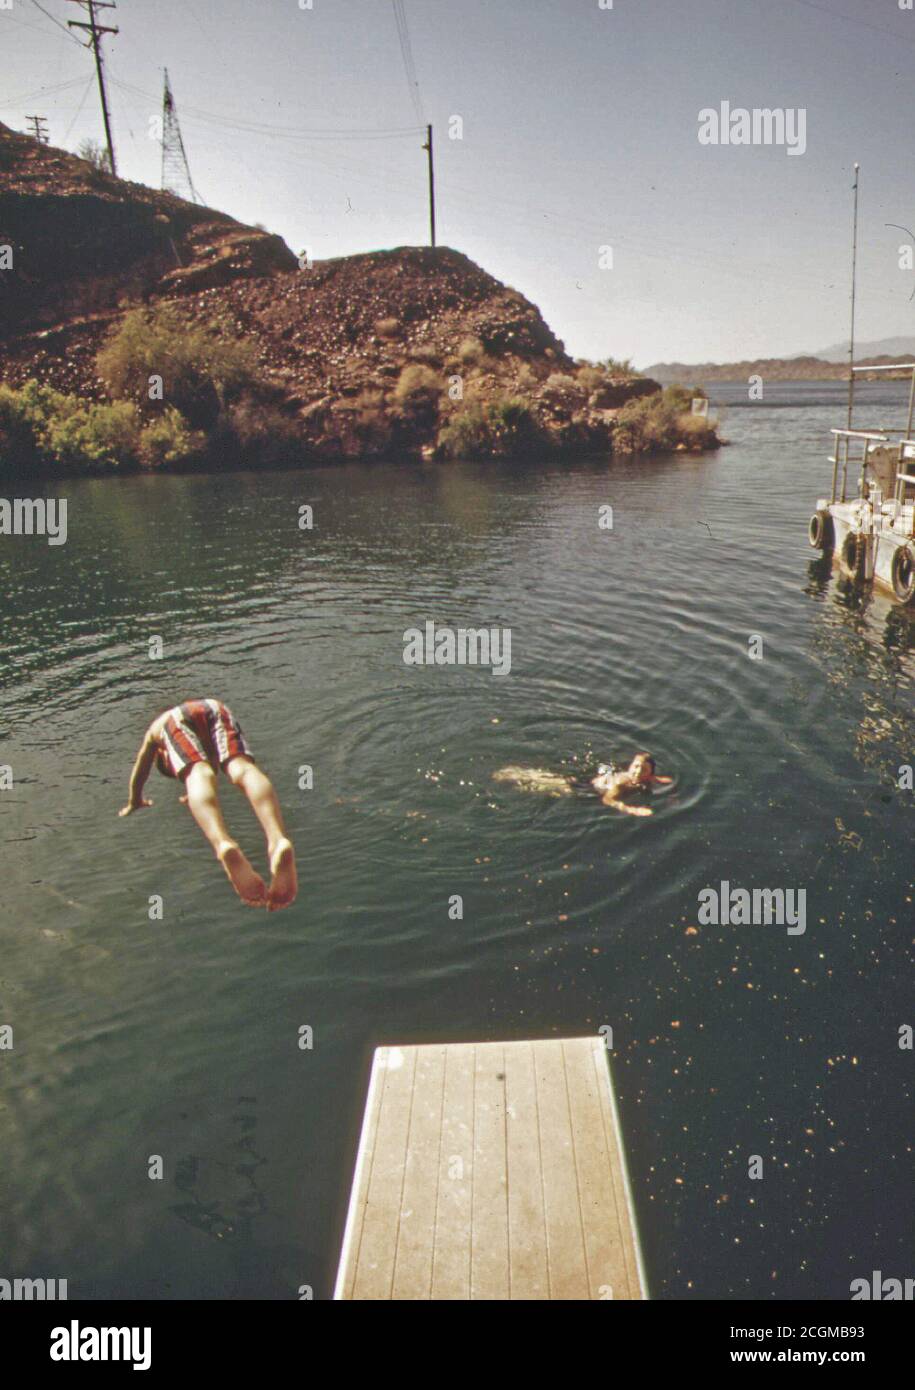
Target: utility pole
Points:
(39, 128)
(95, 31)
(428, 146)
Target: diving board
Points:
(491, 1171)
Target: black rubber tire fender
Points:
(851, 556)
(821, 533)
(902, 573)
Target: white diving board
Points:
(491, 1171)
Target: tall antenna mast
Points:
(851, 341)
(176, 173)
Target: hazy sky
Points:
(580, 130)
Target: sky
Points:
(580, 131)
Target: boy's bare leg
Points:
(203, 803)
(258, 788)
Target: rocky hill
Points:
(332, 339)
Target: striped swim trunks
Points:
(200, 731)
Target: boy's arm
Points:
(141, 770)
(663, 781)
(611, 799)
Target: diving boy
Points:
(192, 742)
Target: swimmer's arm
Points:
(611, 799)
(662, 781)
(141, 770)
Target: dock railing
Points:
(840, 455)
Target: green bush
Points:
(416, 397)
(681, 397)
(373, 424)
(471, 352)
(169, 441)
(465, 434)
(512, 424)
(563, 391)
(697, 431)
(622, 367)
(20, 415)
(417, 384)
(660, 422)
(427, 354)
(502, 428)
(42, 428)
(94, 438)
(590, 377)
(201, 371)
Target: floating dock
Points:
(491, 1171)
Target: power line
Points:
(403, 35)
(281, 132)
(60, 26)
(852, 19)
(42, 92)
(82, 102)
(27, 24)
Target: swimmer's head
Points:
(642, 767)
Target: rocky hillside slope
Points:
(332, 338)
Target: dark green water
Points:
(180, 1038)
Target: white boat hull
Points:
(884, 537)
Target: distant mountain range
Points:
(901, 348)
(831, 364)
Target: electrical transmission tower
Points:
(95, 31)
(39, 128)
(176, 173)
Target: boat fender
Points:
(821, 532)
(902, 573)
(852, 555)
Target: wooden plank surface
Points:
(491, 1171)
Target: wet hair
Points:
(649, 759)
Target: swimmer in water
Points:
(612, 784)
(615, 784)
(192, 743)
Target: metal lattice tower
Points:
(176, 173)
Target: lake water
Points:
(180, 1037)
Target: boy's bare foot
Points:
(246, 881)
(284, 884)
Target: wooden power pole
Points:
(39, 128)
(428, 146)
(95, 32)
